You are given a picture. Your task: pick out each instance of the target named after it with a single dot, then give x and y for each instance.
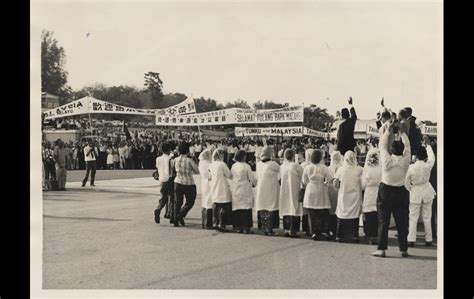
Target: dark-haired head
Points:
(386, 116)
(345, 113)
(183, 149)
(316, 156)
(240, 156)
(166, 147)
(408, 110)
(421, 153)
(289, 154)
(403, 114)
(397, 148)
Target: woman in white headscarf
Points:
(336, 163)
(371, 178)
(290, 207)
(267, 199)
(207, 205)
(219, 173)
(316, 198)
(305, 222)
(242, 195)
(349, 199)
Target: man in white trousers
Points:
(421, 192)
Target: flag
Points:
(127, 132)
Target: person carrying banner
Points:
(345, 131)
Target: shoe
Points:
(83, 185)
(222, 230)
(404, 253)
(181, 221)
(157, 216)
(316, 237)
(378, 253)
(271, 234)
(325, 237)
(429, 244)
(294, 236)
(92, 185)
(411, 244)
(338, 240)
(175, 224)
(247, 231)
(286, 235)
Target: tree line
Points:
(150, 96)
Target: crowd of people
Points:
(325, 202)
(317, 186)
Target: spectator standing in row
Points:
(60, 155)
(91, 152)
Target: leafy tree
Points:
(155, 87)
(53, 67)
(237, 104)
(269, 105)
(205, 105)
(317, 118)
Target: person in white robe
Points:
(422, 192)
(349, 199)
(371, 178)
(242, 195)
(335, 164)
(290, 207)
(316, 197)
(305, 221)
(219, 173)
(267, 197)
(205, 158)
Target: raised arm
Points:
(407, 150)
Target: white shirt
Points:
(220, 189)
(316, 195)
(394, 168)
(349, 198)
(241, 188)
(268, 190)
(198, 148)
(291, 174)
(90, 156)
(371, 177)
(417, 179)
(163, 166)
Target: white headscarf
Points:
(373, 158)
(218, 155)
(308, 155)
(350, 159)
(206, 155)
(336, 161)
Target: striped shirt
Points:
(185, 168)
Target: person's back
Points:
(267, 185)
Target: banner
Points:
(269, 131)
(219, 117)
(77, 107)
(233, 116)
(185, 107)
(283, 115)
(429, 130)
(372, 131)
(98, 106)
(314, 133)
(91, 105)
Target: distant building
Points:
(49, 101)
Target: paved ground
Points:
(105, 238)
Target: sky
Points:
(311, 52)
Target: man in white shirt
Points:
(422, 192)
(91, 152)
(393, 197)
(165, 167)
(121, 151)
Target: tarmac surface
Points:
(105, 237)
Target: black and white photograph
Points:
(265, 148)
